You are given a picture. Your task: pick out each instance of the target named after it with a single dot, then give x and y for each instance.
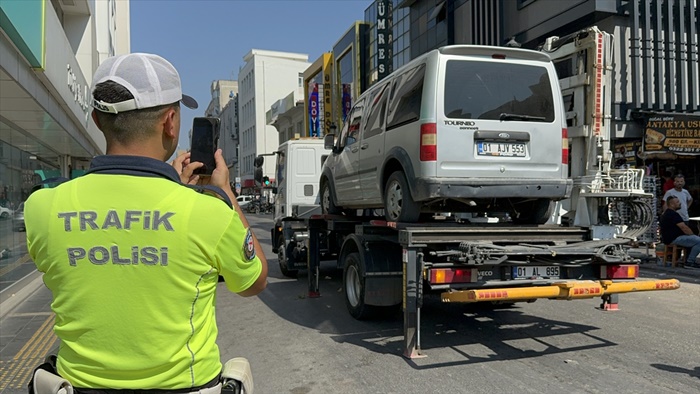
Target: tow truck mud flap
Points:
(382, 271)
(569, 290)
(383, 290)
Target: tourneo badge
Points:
(249, 246)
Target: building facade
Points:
(287, 116)
(48, 52)
(224, 105)
(266, 77)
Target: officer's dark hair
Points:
(129, 126)
(669, 198)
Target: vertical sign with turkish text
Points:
(347, 99)
(313, 110)
(384, 38)
(327, 94)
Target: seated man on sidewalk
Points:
(675, 231)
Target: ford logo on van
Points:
(503, 135)
(459, 123)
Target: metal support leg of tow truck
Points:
(412, 300)
(313, 261)
(610, 302)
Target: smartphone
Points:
(204, 142)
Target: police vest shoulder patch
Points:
(249, 245)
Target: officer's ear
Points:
(96, 119)
(171, 121)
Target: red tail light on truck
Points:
(453, 275)
(622, 271)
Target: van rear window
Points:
(405, 99)
(485, 90)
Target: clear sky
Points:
(207, 39)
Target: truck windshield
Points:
(486, 90)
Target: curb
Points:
(19, 291)
(689, 273)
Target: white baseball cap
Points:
(152, 80)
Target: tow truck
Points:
(577, 255)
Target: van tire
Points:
(327, 204)
(534, 212)
(283, 258)
(354, 288)
(398, 202)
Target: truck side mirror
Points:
(329, 141)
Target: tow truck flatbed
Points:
(399, 263)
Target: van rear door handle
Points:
(364, 146)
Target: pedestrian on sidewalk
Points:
(686, 200)
(668, 182)
(675, 231)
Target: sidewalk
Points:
(650, 263)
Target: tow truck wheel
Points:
(327, 204)
(282, 259)
(398, 203)
(354, 288)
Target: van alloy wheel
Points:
(398, 203)
(327, 204)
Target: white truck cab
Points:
(297, 174)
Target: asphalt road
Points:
(301, 345)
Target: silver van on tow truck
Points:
(459, 129)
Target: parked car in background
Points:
(244, 200)
(18, 218)
(5, 213)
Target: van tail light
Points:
(564, 146)
(621, 271)
(428, 142)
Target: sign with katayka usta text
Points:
(679, 134)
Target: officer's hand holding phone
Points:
(219, 176)
(186, 169)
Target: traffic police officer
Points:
(132, 254)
